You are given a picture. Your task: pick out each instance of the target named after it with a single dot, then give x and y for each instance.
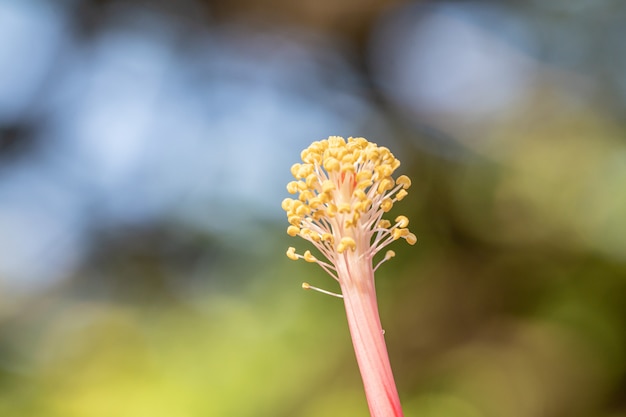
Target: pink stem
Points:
(369, 345)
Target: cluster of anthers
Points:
(344, 188)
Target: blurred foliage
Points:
(510, 305)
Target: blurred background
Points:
(144, 151)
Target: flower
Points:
(344, 188)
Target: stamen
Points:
(307, 286)
(402, 221)
(390, 254)
(291, 254)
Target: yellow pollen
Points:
(402, 221)
(344, 208)
(327, 237)
(351, 222)
(384, 224)
(398, 233)
(311, 180)
(386, 204)
(292, 187)
(303, 210)
(308, 257)
(346, 243)
(328, 186)
(291, 254)
(347, 167)
(295, 168)
(385, 185)
(359, 194)
(314, 203)
(331, 165)
(411, 239)
(404, 181)
(293, 230)
(362, 185)
(363, 175)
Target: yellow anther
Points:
(305, 170)
(327, 237)
(286, 204)
(359, 194)
(386, 204)
(292, 187)
(328, 186)
(306, 195)
(347, 167)
(311, 180)
(349, 158)
(360, 142)
(401, 194)
(410, 239)
(291, 254)
(295, 204)
(302, 185)
(309, 257)
(398, 233)
(303, 210)
(364, 184)
(360, 207)
(384, 224)
(336, 141)
(294, 220)
(404, 181)
(331, 165)
(311, 157)
(383, 171)
(294, 170)
(402, 221)
(344, 208)
(373, 155)
(293, 230)
(314, 203)
(363, 175)
(385, 185)
(346, 243)
(390, 254)
(354, 220)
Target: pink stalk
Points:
(368, 339)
